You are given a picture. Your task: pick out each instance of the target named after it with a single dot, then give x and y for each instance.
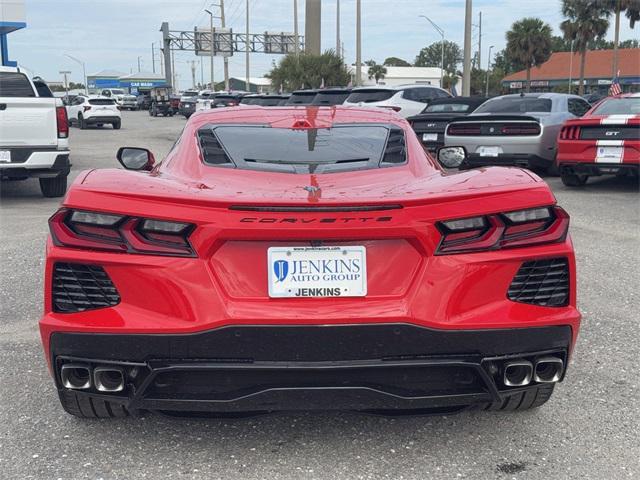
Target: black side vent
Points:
(542, 282)
(395, 151)
(78, 287)
(212, 151)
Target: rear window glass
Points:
(301, 98)
(250, 100)
(102, 101)
(15, 85)
(270, 102)
(330, 98)
(189, 94)
(321, 150)
(515, 105)
(117, 91)
(370, 95)
(447, 107)
(619, 106)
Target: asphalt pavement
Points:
(590, 429)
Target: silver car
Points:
(519, 129)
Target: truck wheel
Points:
(116, 125)
(527, 400)
(81, 123)
(85, 407)
(53, 187)
(573, 179)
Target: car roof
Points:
(305, 91)
(395, 87)
(335, 90)
(549, 95)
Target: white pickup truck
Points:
(34, 133)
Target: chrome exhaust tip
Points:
(76, 376)
(548, 370)
(517, 373)
(108, 379)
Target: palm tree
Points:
(586, 21)
(632, 7)
(529, 44)
(376, 71)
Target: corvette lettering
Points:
(304, 221)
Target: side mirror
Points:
(133, 158)
(451, 157)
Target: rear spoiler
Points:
(495, 118)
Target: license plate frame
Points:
(317, 272)
(489, 150)
(429, 137)
(609, 154)
(5, 156)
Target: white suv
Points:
(95, 110)
(407, 100)
(116, 93)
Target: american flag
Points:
(615, 89)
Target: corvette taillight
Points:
(503, 230)
(120, 233)
(570, 132)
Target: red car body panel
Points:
(226, 283)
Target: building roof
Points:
(598, 65)
(108, 74)
(142, 76)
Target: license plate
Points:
(610, 154)
(5, 156)
(317, 271)
(489, 151)
(429, 137)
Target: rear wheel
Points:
(116, 125)
(527, 400)
(573, 179)
(86, 407)
(81, 123)
(53, 187)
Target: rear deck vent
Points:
(78, 287)
(542, 282)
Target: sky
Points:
(112, 34)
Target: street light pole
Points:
(211, 50)
(84, 71)
(441, 32)
(486, 94)
(153, 57)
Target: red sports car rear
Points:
(306, 258)
(606, 140)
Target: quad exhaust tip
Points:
(548, 370)
(76, 376)
(517, 373)
(108, 379)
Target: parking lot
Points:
(587, 430)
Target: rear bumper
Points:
(268, 368)
(596, 169)
(41, 163)
(525, 160)
(100, 120)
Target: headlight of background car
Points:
(451, 157)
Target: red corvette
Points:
(606, 140)
(306, 258)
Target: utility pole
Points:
(139, 57)
(225, 58)
(201, 73)
(486, 93)
(479, 39)
(193, 73)
(166, 52)
(84, 71)
(247, 86)
(153, 57)
(173, 70)
(466, 67)
(441, 32)
(338, 51)
(296, 46)
(312, 37)
(358, 46)
(211, 49)
(66, 84)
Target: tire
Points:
(532, 398)
(86, 407)
(53, 187)
(116, 125)
(81, 124)
(573, 179)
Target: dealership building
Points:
(564, 67)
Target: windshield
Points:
(619, 106)
(515, 105)
(319, 150)
(189, 94)
(447, 107)
(117, 91)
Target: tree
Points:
(529, 42)
(616, 7)
(508, 65)
(309, 70)
(396, 62)
(376, 71)
(585, 21)
(431, 56)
